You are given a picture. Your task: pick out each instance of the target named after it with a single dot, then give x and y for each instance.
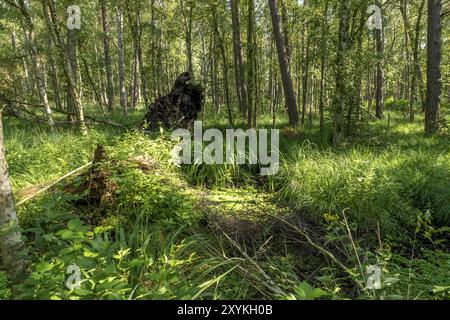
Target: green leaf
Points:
(44, 267)
(82, 292)
(74, 224)
(305, 292)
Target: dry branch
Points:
(51, 185)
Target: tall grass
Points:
(36, 155)
(388, 180)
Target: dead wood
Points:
(178, 109)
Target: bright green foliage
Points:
(305, 292)
(142, 254)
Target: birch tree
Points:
(120, 45)
(10, 238)
(37, 64)
(107, 56)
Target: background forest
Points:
(363, 108)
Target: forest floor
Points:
(152, 230)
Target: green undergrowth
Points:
(148, 240)
(138, 249)
(37, 156)
(387, 178)
(155, 230)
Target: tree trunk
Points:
(137, 35)
(256, 82)
(26, 85)
(289, 94)
(53, 23)
(341, 99)
(16, 76)
(379, 94)
(154, 54)
(414, 40)
(92, 84)
(356, 100)
(305, 73)
(100, 76)
(224, 65)
(120, 45)
(434, 80)
(10, 238)
(323, 57)
(285, 24)
(37, 65)
(189, 38)
(250, 62)
(107, 55)
(241, 89)
(72, 61)
(53, 74)
(204, 67)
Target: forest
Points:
(104, 103)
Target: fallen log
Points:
(52, 184)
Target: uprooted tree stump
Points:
(178, 109)
(94, 186)
(97, 188)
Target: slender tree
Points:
(53, 74)
(188, 15)
(121, 62)
(136, 30)
(107, 55)
(53, 23)
(379, 91)
(305, 69)
(250, 62)
(434, 80)
(241, 88)
(340, 104)
(285, 25)
(72, 60)
(37, 64)
(289, 94)
(413, 38)
(224, 64)
(323, 56)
